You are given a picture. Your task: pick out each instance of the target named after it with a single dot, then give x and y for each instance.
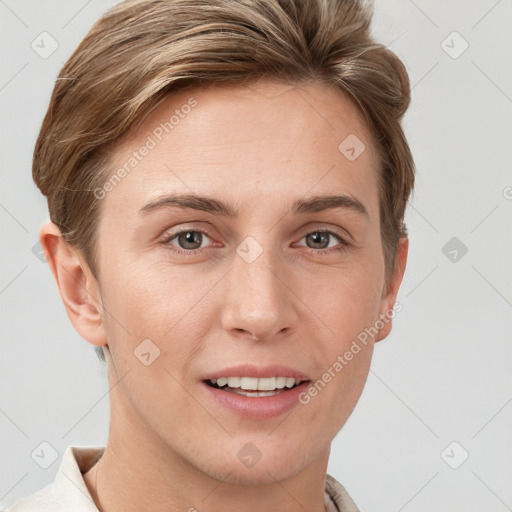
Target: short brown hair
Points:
(141, 51)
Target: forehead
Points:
(266, 139)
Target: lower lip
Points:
(258, 408)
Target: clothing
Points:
(68, 492)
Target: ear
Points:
(391, 290)
(78, 287)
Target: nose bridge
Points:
(258, 301)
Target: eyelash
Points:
(345, 244)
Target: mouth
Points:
(255, 387)
(255, 392)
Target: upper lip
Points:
(249, 370)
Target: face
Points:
(219, 250)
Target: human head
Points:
(124, 61)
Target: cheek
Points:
(347, 309)
(348, 299)
(157, 304)
(349, 313)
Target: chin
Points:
(248, 465)
(262, 473)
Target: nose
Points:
(259, 303)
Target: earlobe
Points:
(391, 291)
(77, 286)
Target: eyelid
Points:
(335, 234)
(322, 227)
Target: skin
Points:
(259, 148)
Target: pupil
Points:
(319, 238)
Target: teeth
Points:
(222, 381)
(267, 384)
(255, 384)
(250, 383)
(253, 393)
(280, 382)
(290, 382)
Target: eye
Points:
(190, 240)
(320, 240)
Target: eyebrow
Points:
(313, 204)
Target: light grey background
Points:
(444, 374)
